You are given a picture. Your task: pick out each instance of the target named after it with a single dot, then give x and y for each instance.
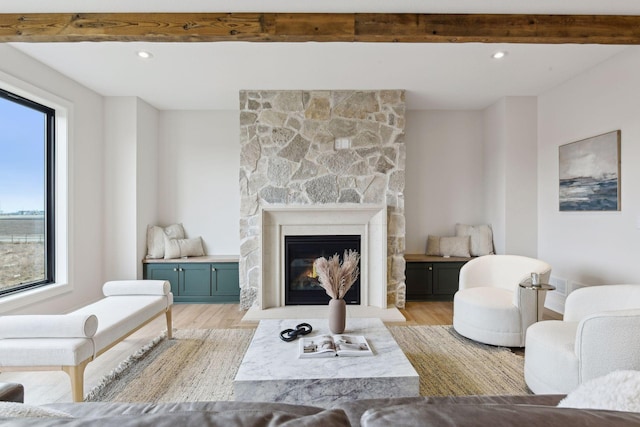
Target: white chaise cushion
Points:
(136, 287)
(119, 315)
(48, 326)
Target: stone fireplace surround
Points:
(293, 161)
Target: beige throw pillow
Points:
(481, 238)
(433, 245)
(455, 246)
(155, 242)
(174, 231)
(178, 248)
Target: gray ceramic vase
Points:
(337, 315)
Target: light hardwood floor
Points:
(50, 387)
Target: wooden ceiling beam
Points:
(320, 27)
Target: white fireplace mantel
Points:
(368, 221)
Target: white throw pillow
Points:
(20, 410)
(156, 236)
(616, 391)
(455, 246)
(481, 238)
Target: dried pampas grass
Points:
(337, 278)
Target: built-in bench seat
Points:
(70, 341)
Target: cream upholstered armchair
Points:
(490, 306)
(600, 334)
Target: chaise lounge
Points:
(70, 341)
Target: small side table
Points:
(537, 288)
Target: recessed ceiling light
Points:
(499, 54)
(144, 54)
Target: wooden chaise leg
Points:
(169, 324)
(76, 374)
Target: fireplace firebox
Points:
(301, 282)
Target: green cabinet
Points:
(431, 278)
(197, 282)
(168, 272)
(194, 280)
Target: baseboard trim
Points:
(555, 302)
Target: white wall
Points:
(521, 227)
(494, 162)
(85, 188)
(592, 247)
(444, 174)
(120, 151)
(131, 183)
(510, 170)
(147, 177)
(198, 186)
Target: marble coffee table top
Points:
(270, 358)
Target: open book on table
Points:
(334, 345)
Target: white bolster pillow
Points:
(136, 287)
(48, 326)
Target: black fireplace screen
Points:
(301, 283)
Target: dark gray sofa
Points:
(532, 410)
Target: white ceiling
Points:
(209, 75)
(621, 7)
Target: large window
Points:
(26, 194)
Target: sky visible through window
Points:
(22, 158)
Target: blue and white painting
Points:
(590, 174)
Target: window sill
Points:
(22, 299)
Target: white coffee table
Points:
(271, 371)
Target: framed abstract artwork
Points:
(590, 174)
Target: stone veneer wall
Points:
(288, 157)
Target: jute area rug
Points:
(197, 365)
(200, 365)
(452, 365)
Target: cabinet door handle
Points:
(213, 269)
(181, 269)
(430, 268)
(175, 269)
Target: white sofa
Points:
(490, 306)
(70, 341)
(600, 333)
